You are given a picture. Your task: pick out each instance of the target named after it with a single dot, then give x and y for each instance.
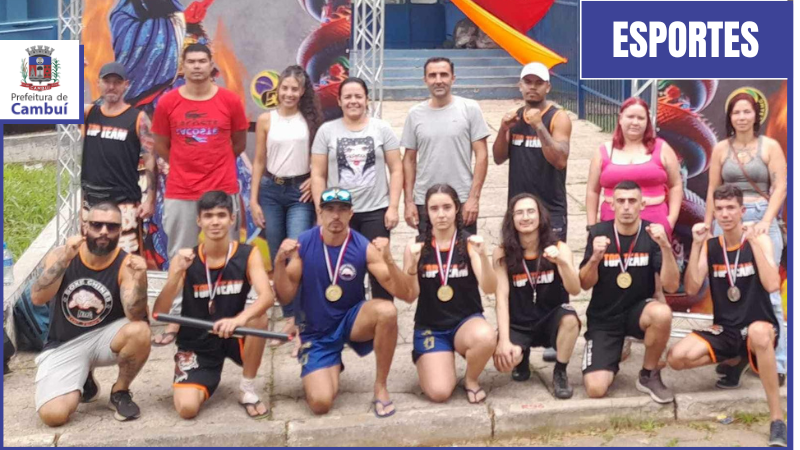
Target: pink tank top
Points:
(651, 176)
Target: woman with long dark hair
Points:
(353, 153)
(757, 166)
(535, 277)
(280, 198)
(449, 266)
(635, 154)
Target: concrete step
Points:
(462, 71)
(502, 80)
(419, 61)
(477, 92)
(447, 53)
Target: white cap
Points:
(535, 68)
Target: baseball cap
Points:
(114, 68)
(535, 68)
(336, 195)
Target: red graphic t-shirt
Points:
(201, 152)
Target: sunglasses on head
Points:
(112, 227)
(337, 194)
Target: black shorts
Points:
(544, 332)
(558, 223)
(729, 343)
(423, 222)
(371, 224)
(604, 341)
(203, 370)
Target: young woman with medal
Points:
(448, 266)
(330, 262)
(745, 331)
(535, 277)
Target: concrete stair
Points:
(480, 74)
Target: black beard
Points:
(97, 250)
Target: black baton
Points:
(208, 325)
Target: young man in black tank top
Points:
(533, 296)
(624, 260)
(741, 272)
(535, 138)
(97, 318)
(215, 279)
(116, 135)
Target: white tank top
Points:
(288, 149)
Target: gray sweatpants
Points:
(180, 225)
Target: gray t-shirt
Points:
(443, 139)
(356, 160)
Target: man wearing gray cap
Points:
(535, 138)
(116, 142)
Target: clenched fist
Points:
(137, 265)
(383, 246)
(182, 260)
(477, 243)
(599, 247)
(289, 248)
(73, 246)
(700, 232)
(533, 117)
(658, 234)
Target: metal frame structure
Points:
(366, 56)
(68, 204)
(647, 90)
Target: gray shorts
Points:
(180, 226)
(65, 368)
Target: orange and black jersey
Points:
(550, 293)
(754, 304)
(609, 303)
(229, 299)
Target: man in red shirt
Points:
(200, 129)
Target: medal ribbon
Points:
(212, 290)
(334, 276)
(731, 274)
(625, 262)
(444, 275)
(533, 283)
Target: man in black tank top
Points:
(98, 311)
(535, 277)
(741, 272)
(624, 261)
(116, 136)
(215, 279)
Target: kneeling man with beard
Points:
(98, 310)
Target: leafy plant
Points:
(55, 69)
(24, 70)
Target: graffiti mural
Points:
(691, 118)
(252, 42)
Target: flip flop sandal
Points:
(171, 335)
(255, 408)
(385, 405)
(475, 395)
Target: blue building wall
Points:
(28, 19)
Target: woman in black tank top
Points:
(449, 266)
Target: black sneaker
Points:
(523, 370)
(90, 389)
(549, 355)
(777, 434)
(122, 403)
(655, 387)
(732, 377)
(561, 386)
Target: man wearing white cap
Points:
(535, 138)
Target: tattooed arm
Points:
(55, 264)
(133, 287)
(148, 205)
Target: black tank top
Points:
(229, 300)
(754, 303)
(550, 293)
(110, 162)
(87, 299)
(528, 169)
(435, 314)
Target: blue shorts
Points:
(429, 341)
(322, 351)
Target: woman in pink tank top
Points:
(636, 155)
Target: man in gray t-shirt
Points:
(440, 135)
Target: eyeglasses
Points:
(338, 194)
(112, 227)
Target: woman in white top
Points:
(354, 153)
(281, 202)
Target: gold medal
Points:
(445, 293)
(333, 293)
(624, 280)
